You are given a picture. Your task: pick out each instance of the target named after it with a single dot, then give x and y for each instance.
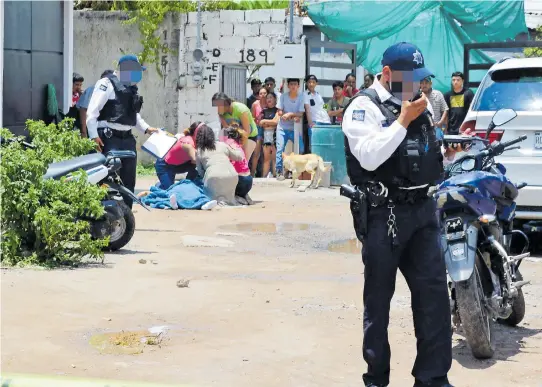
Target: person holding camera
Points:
(393, 157)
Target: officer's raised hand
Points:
(412, 110)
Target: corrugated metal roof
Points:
(533, 13)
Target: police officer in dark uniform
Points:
(393, 157)
(112, 112)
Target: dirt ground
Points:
(274, 307)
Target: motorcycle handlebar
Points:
(499, 148)
(512, 142)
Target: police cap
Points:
(406, 57)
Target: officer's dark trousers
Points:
(419, 258)
(129, 166)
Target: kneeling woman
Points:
(213, 163)
(236, 138)
(181, 158)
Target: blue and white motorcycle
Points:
(476, 206)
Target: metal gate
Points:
(327, 45)
(234, 82)
(33, 57)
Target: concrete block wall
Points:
(100, 39)
(224, 35)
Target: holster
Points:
(359, 207)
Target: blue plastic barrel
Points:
(327, 141)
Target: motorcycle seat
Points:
(62, 168)
(121, 154)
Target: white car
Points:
(515, 83)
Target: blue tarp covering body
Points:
(438, 28)
(190, 195)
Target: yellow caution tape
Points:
(20, 380)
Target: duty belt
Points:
(379, 195)
(108, 133)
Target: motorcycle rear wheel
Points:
(123, 231)
(475, 319)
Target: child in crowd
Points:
(269, 122)
(236, 138)
(314, 105)
(337, 104)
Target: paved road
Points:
(271, 307)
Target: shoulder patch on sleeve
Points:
(103, 87)
(358, 115)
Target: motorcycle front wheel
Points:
(518, 307)
(122, 230)
(475, 319)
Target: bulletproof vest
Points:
(416, 161)
(124, 108)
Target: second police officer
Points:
(392, 158)
(112, 112)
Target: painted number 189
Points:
(251, 57)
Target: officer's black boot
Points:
(439, 382)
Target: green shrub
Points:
(146, 170)
(534, 52)
(41, 219)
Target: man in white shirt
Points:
(113, 111)
(314, 105)
(392, 157)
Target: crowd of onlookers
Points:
(254, 135)
(275, 113)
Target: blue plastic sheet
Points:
(438, 28)
(190, 195)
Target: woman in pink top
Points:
(236, 137)
(257, 113)
(181, 158)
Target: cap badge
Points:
(418, 58)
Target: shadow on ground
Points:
(509, 342)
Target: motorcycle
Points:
(476, 207)
(118, 221)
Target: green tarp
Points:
(438, 28)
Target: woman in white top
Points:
(213, 163)
(314, 105)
